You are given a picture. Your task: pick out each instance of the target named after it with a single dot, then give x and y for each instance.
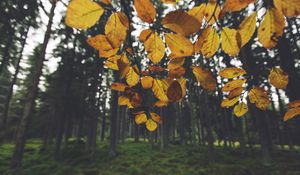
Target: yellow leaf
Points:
(198, 12)
(232, 72)
(226, 103)
(182, 82)
(147, 82)
(174, 91)
(290, 8)
(175, 63)
(140, 118)
(205, 78)
(124, 67)
(247, 28)
(229, 86)
(240, 109)
(236, 5)
(181, 23)
(294, 104)
(155, 117)
(111, 62)
(132, 78)
(119, 87)
(103, 45)
(278, 78)
(235, 92)
(177, 72)
(116, 28)
(158, 90)
(179, 45)
(271, 28)
(123, 101)
(145, 10)
(230, 44)
(212, 11)
(160, 104)
(83, 14)
(208, 42)
(151, 125)
(155, 47)
(260, 97)
(291, 113)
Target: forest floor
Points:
(140, 159)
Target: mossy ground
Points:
(140, 159)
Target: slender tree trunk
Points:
(30, 98)
(6, 56)
(13, 82)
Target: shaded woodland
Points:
(74, 106)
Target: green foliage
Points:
(139, 159)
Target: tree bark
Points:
(30, 98)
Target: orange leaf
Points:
(231, 85)
(232, 72)
(278, 78)
(205, 78)
(179, 45)
(291, 113)
(145, 10)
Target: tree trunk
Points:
(30, 98)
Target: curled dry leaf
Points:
(83, 14)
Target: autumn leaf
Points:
(278, 78)
(135, 100)
(160, 104)
(112, 62)
(182, 82)
(177, 72)
(236, 5)
(198, 12)
(155, 117)
(145, 10)
(132, 77)
(147, 82)
(158, 90)
(247, 29)
(229, 41)
(116, 28)
(179, 45)
(123, 101)
(140, 118)
(174, 91)
(240, 109)
(119, 87)
(235, 92)
(175, 63)
(294, 104)
(123, 66)
(151, 125)
(155, 47)
(290, 8)
(260, 97)
(232, 72)
(271, 28)
(83, 14)
(212, 11)
(145, 34)
(226, 103)
(181, 22)
(208, 42)
(231, 85)
(205, 78)
(291, 113)
(103, 45)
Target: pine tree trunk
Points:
(30, 98)
(3, 118)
